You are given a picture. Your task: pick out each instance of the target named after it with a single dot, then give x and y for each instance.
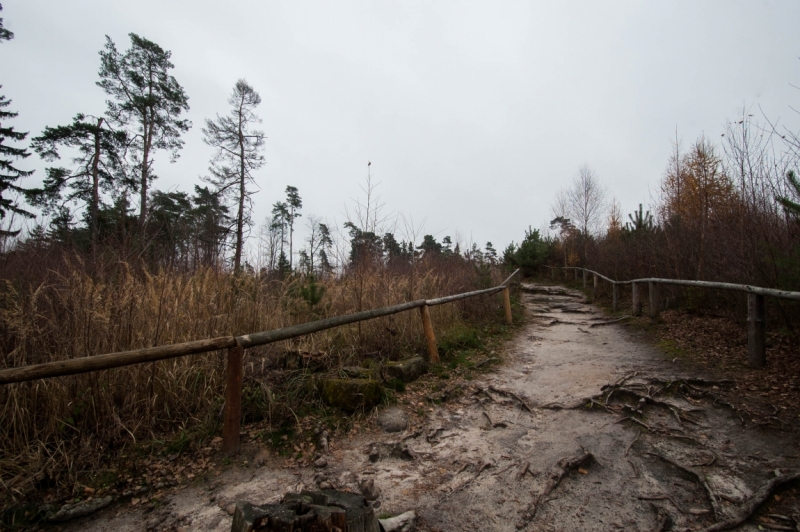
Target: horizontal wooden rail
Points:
(756, 313)
(87, 364)
(236, 345)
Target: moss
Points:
(351, 394)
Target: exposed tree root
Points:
(700, 478)
(609, 322)
(749, 507)
(555, 475)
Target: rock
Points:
(406, 370)
(325, 485)
(374, 454)
(402, 523)
(357, 372)
(73, 511)
(368, 489)
(351, 394)
(393, 419)
(320, 463)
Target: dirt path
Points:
(658, 454)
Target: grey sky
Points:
(473, 113)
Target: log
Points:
(233, 400)
(756, 331)
(430, 336)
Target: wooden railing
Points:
(236, 345)
(756, 307)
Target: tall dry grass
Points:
(56, 309)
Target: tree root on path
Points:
(749, 507)
(598, 324)
(699, 477)
(555, 475)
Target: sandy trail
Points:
(465, 473)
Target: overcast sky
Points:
(473, 113)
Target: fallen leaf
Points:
(777, 497)
(582, 471)
(135, 501)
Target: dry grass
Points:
(55, 429)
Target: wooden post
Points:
(585, 276)
(596, 283)
(636, 297)
(427, 326)
(576, 273)
(507, 303)
(655, 300)
(756, 331)
(233, 401)
(614, 296)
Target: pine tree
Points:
(791, 207)
(99, 165)
(147, 100)
(10, 174)
(238, 153)
(5, 35)
(293, 203)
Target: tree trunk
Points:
(95, 182)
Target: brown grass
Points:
(55, 429)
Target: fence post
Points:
(507, 304)
(430, 337)
(576, 273)
(614, 296)
(596, 282)
(756, 331)
(233, 400)
(585, 275)
(636, 298)
(655, 300)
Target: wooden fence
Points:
(236, 345)
(756, 308)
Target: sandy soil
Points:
(462, 466)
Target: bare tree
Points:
(586, 202)
(238, 154)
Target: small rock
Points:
(393, 419)
(321, 463)
(402, 523)
(369, 490)
(374, 453)
(325, 485)
(230, 509)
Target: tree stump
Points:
(308, 511)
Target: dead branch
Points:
(555, 475)
(749, 507)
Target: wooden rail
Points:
(236, 345)
(756, 307)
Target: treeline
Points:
(727, 211)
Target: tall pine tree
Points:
(238, 153)
(148, 101)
